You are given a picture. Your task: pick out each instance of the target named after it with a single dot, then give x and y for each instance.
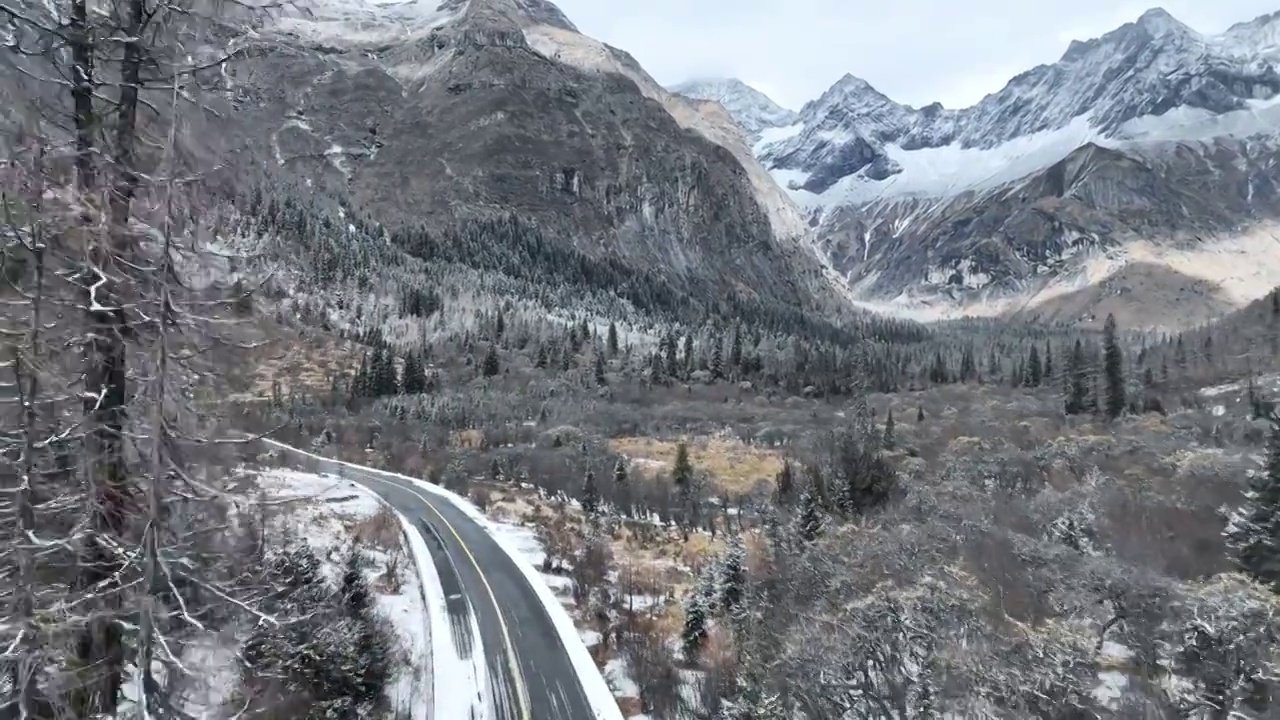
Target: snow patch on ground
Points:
(1265, 384)
(1112, 680)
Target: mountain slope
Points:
(751, 109)
(1151, 134)
(494, 124)
(443, 116)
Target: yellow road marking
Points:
(522, 692)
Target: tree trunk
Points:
(100, 649)
(81, 44)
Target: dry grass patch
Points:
(304, 363)
(630, 706)
(649, 577)
(732, 464)
(380, 530)
(468, 439)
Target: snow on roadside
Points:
(524, 550)
(521, 542)
(328, 513)
(460, 689)
(523, 547)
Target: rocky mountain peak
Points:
(1154, 33)
(1158, 23)
(849, 90)
(522, 12)
(751, 109)
(1259, 37)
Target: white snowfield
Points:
(944, 172)
(459, 683)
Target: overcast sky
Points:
(914, 51)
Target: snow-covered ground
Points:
(1266, 384)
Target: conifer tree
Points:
(599, 370)
(414, 376)
(682, 469)
(919, 413)
(672, 361)
(696, 615)
(889, 440)
(620, 472)
(1048, 361)
(590, 494)
(717, 361)
(611, 342)
(809, 520)
(1113, 370)
(967, 369)
(1077, 401)
(732, 576)
(1034, 371)
(354, 590)
(785, 483)
(1253, 530)
(360, 383)
(490, 365)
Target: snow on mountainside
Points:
(1031, 201)
(750, 108)
(1147, 67)
(366, 21)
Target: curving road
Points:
(530, 674)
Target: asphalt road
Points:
(531, 675)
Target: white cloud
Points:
(915, 51)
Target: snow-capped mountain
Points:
(750, 108)
(1153, 133)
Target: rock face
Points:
(1153, 142)
(445, 113)
(437, 114)
(751, 109)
